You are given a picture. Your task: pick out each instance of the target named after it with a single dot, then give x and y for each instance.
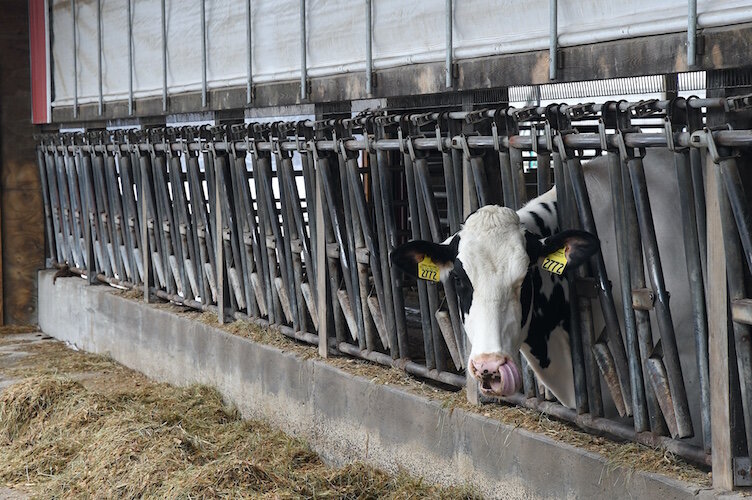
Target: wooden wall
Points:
(21, 212)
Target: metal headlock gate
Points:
(291, 224)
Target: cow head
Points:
(490, 262)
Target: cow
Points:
(511, 303)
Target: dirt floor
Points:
(76, 425)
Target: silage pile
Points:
(60, 439)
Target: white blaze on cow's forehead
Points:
(492, 251)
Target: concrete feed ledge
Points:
(344, 417)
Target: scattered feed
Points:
(81, 425)
(630, 456)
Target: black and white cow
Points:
(510, 304)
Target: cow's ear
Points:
(567, 250)
(426, 259)
(533, 245)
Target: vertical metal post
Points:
(130, 59)
(369, 51)
(219, 241)
(164, 58)
(321, 269)
(448, 62)
(249, 82)
(303, 70)
(553, 37)
(203, 53)
(145, 232)
(99, 54)
(75, 61)
(691, 34)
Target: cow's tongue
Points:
(510, 381)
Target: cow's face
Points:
(489, 262)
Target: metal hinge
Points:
(742, 471)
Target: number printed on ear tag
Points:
(555, 262)
(427, 270)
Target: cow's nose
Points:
(485, 366)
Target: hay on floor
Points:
(67, 438)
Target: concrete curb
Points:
(344, 417)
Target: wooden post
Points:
(473, 394)
(720, 405)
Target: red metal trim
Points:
(38, 50)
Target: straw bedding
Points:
(82, 426)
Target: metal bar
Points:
(100, 107)
(637, 280)
(639, 403)
(351, 248)
(358, 191)
(605, 296)
(439, 350)
(247, 236)
(321, 263)
(387, 306)
(89, 235)
(663, 313)
(249, 43)
(507, 188)
(200, 228)
(203, 53)
(369, 50)
(181, 228)
(286, 240)
(729, 138)
(104, 217)
(432, 214)
(115, 215)
(696, 285)
(55, 206)
(691, 34)
(578, 360)
(164, 57)
(518, 177)
(553, 37)
(695, 157)
(221, 270)
(73, 201)
(425, 315)
(448, 56)
(130, 217)
(543, 172)
(268, 267)
(399, 339)
(303, 62)
(130, 58)
(75, 60)
(48, 226)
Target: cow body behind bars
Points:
(509, 304)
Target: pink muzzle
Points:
(497, 375)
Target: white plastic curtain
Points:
(404, 32)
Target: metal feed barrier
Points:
(291, 224)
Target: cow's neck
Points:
(546, 345)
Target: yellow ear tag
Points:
(555, 262)
(427, 270)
